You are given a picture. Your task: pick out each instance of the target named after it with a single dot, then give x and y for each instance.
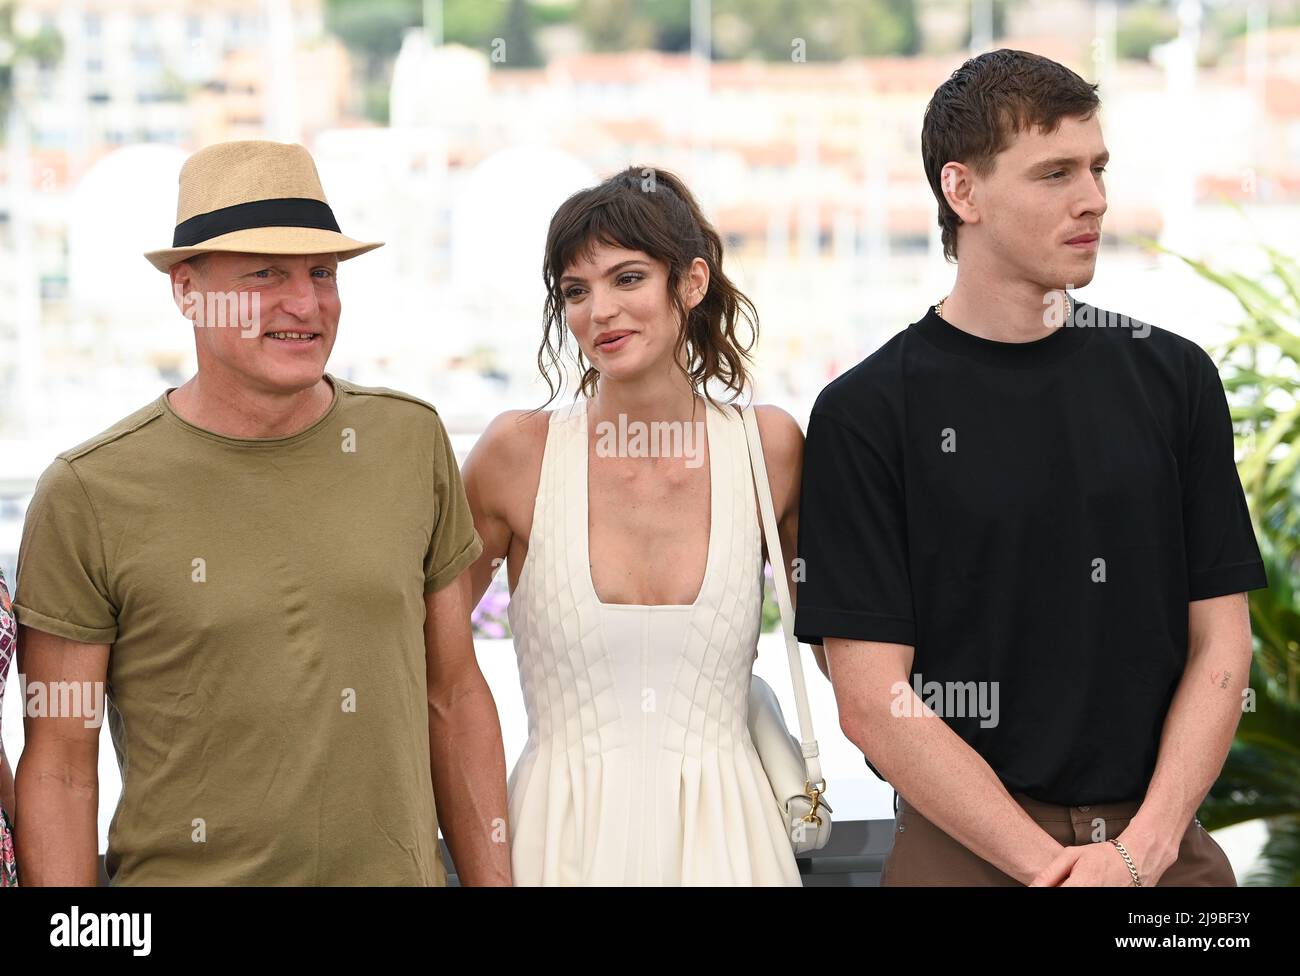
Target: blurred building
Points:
(131, 68)
(810, 170)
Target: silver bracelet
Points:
(1132, 868)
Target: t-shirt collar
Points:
(1061, 342)
(166, 407)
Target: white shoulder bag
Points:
(792, 767)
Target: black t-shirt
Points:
(1033, 518)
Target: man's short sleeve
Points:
(1222, 554)
(455, 544)
(63, 585)
(853, 534)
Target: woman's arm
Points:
(501, 476)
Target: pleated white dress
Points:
(639, 768)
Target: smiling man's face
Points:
(294, 302)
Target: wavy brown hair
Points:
(644, 209)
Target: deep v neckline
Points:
(711, 429)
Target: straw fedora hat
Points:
(254, 196)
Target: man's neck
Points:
(1001, 309)
(233, 410)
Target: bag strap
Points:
(812, 764)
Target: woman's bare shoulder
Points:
(514, 438)
(782, 436)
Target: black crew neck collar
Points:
(1058, 344)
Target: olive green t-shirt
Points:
(264, 603)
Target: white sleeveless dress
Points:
(639, 768)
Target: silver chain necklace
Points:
(938, 309)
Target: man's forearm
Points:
(944, 778)
(1197, 733)
(468, 766)
(56, 834)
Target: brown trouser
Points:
(924, 855)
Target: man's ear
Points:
(183, 284)
(958, 184)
